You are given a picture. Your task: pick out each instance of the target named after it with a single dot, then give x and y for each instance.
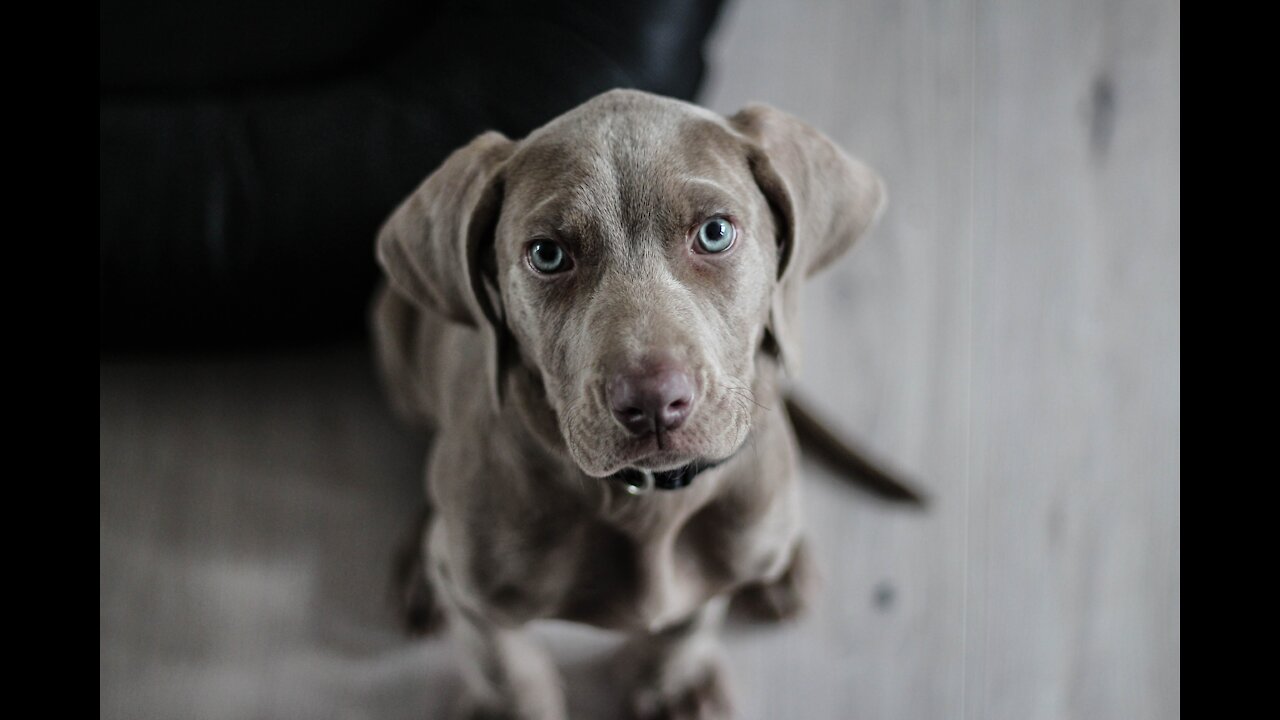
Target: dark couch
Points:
(248, 150)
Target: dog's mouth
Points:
(638, 461)
(639, 481)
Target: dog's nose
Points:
(655, 400)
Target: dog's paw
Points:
(702, 695)
(783, 599)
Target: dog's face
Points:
(636, 259)
(635, 254)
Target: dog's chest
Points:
(648, 565)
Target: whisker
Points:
(747, 394)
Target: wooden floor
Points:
(1010, 336)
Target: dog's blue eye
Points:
(715, 235)
(548, 257)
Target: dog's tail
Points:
(817, 439)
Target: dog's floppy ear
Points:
(432, 247)
(822, 200)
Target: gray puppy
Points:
(591, 322)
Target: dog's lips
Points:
(645, 458)
(644, 454)
(661, 462)
(640, 480)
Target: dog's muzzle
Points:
(639, 482)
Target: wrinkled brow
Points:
(559, 216)
(707, 196)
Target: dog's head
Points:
(638, 255)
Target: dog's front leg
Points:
(507, 675)
(679, 672)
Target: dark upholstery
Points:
(248, 151)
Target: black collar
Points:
(638, 481)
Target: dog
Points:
(592, 323)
